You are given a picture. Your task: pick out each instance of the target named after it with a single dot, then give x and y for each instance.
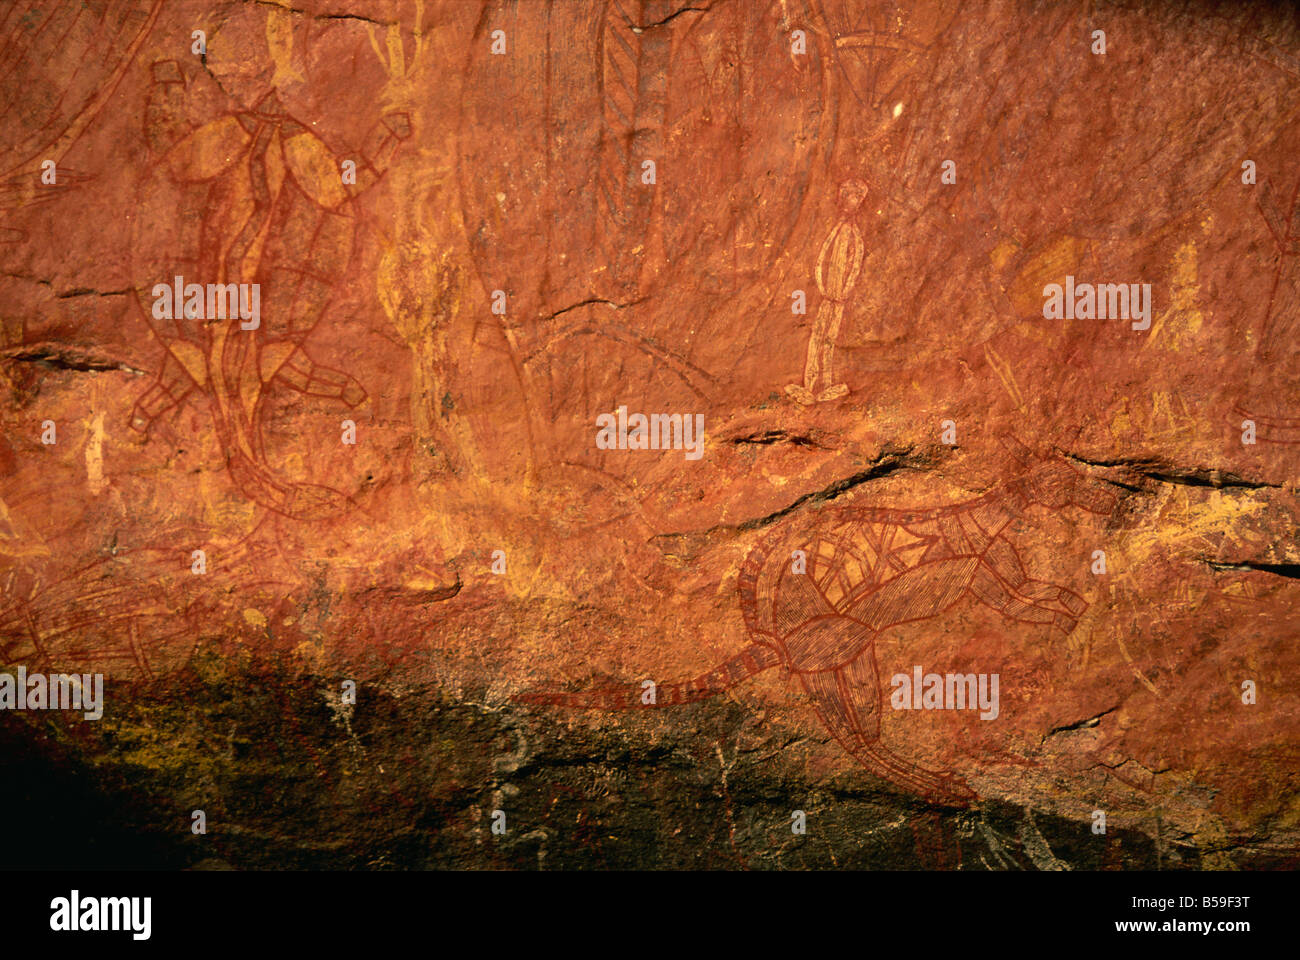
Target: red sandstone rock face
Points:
(464, 261)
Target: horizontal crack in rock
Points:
(62, 359)
(1162, 472)
(769, 437)
(88, 292)
(1081, 724)
(296, 11)
(890, 461)
(590, 302)
(1291, 570)
(643, 27)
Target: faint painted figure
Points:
(134, 615)
(418, 279)
(1275, 409)
(869, 570)
(838, 265)
(71, 58)
(635, 66)
(562, 210)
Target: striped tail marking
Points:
(753, 660)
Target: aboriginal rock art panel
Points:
(869, 570)
(647, 184)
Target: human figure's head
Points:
(852, 193)
(252, 52)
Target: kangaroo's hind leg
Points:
(848, 701)
(168, 391)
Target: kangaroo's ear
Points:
(1019, 452)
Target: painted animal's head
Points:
(1052, 482)
(251, 52)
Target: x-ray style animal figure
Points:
(279, 213)
(869, 570)
(838, 266)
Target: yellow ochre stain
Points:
(1182, 320)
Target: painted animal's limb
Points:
(207, 151)
(307, 376)
(168, 391)
(992, 590)
(315, 168)
(826, 643)
(847, 701)
(298, 501)
(918, 594)
(1005, 561)
(381, 146)
(165, 118)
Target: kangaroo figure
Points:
(869, 569)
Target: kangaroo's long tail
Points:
(297, 500)
(754, 659)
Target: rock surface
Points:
(482, 233)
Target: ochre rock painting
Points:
(549, 434)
